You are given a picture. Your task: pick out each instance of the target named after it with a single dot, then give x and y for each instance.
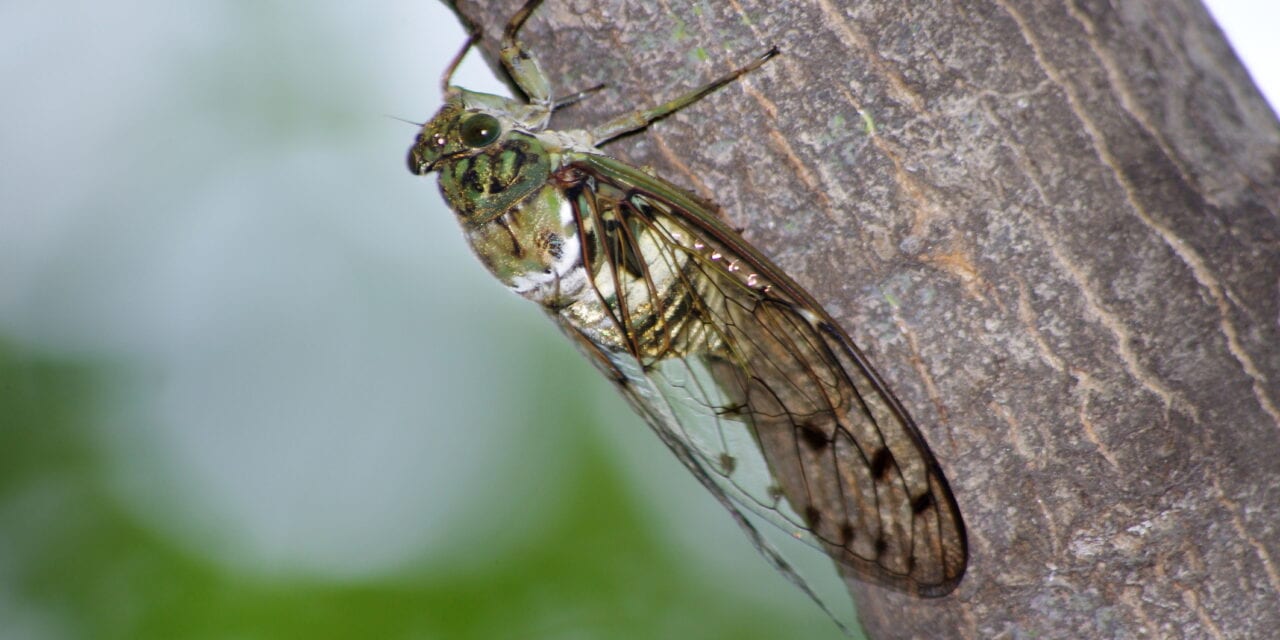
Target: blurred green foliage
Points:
(78, 565)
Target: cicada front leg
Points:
(523, 67)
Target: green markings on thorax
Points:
(484, 185)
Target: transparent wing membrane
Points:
(761, 389)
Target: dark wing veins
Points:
(758, 391)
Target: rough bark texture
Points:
(1054, 228)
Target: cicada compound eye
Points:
(480, 130)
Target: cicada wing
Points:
(670, 413)
(759, 386)
(847, 457)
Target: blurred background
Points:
(254, 385)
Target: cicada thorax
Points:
(487, 183)
(497, 183)
(529, 247)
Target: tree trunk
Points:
(1054, 229)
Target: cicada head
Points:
(484, 148)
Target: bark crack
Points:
(1273, 575)
(1114, 324)
(1190, 257)
(898, 87)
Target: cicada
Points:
(739, 371)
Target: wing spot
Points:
(881, 463)
(921, 503)
(812, 516)
(775, 493)
(846, 534)
(813, 436)
(728, 463)
(882, 546)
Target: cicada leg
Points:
(566, 101)
(636, 120)
(521, 65)
(528, 76)
(455, 63)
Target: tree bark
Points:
(1055, 229)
